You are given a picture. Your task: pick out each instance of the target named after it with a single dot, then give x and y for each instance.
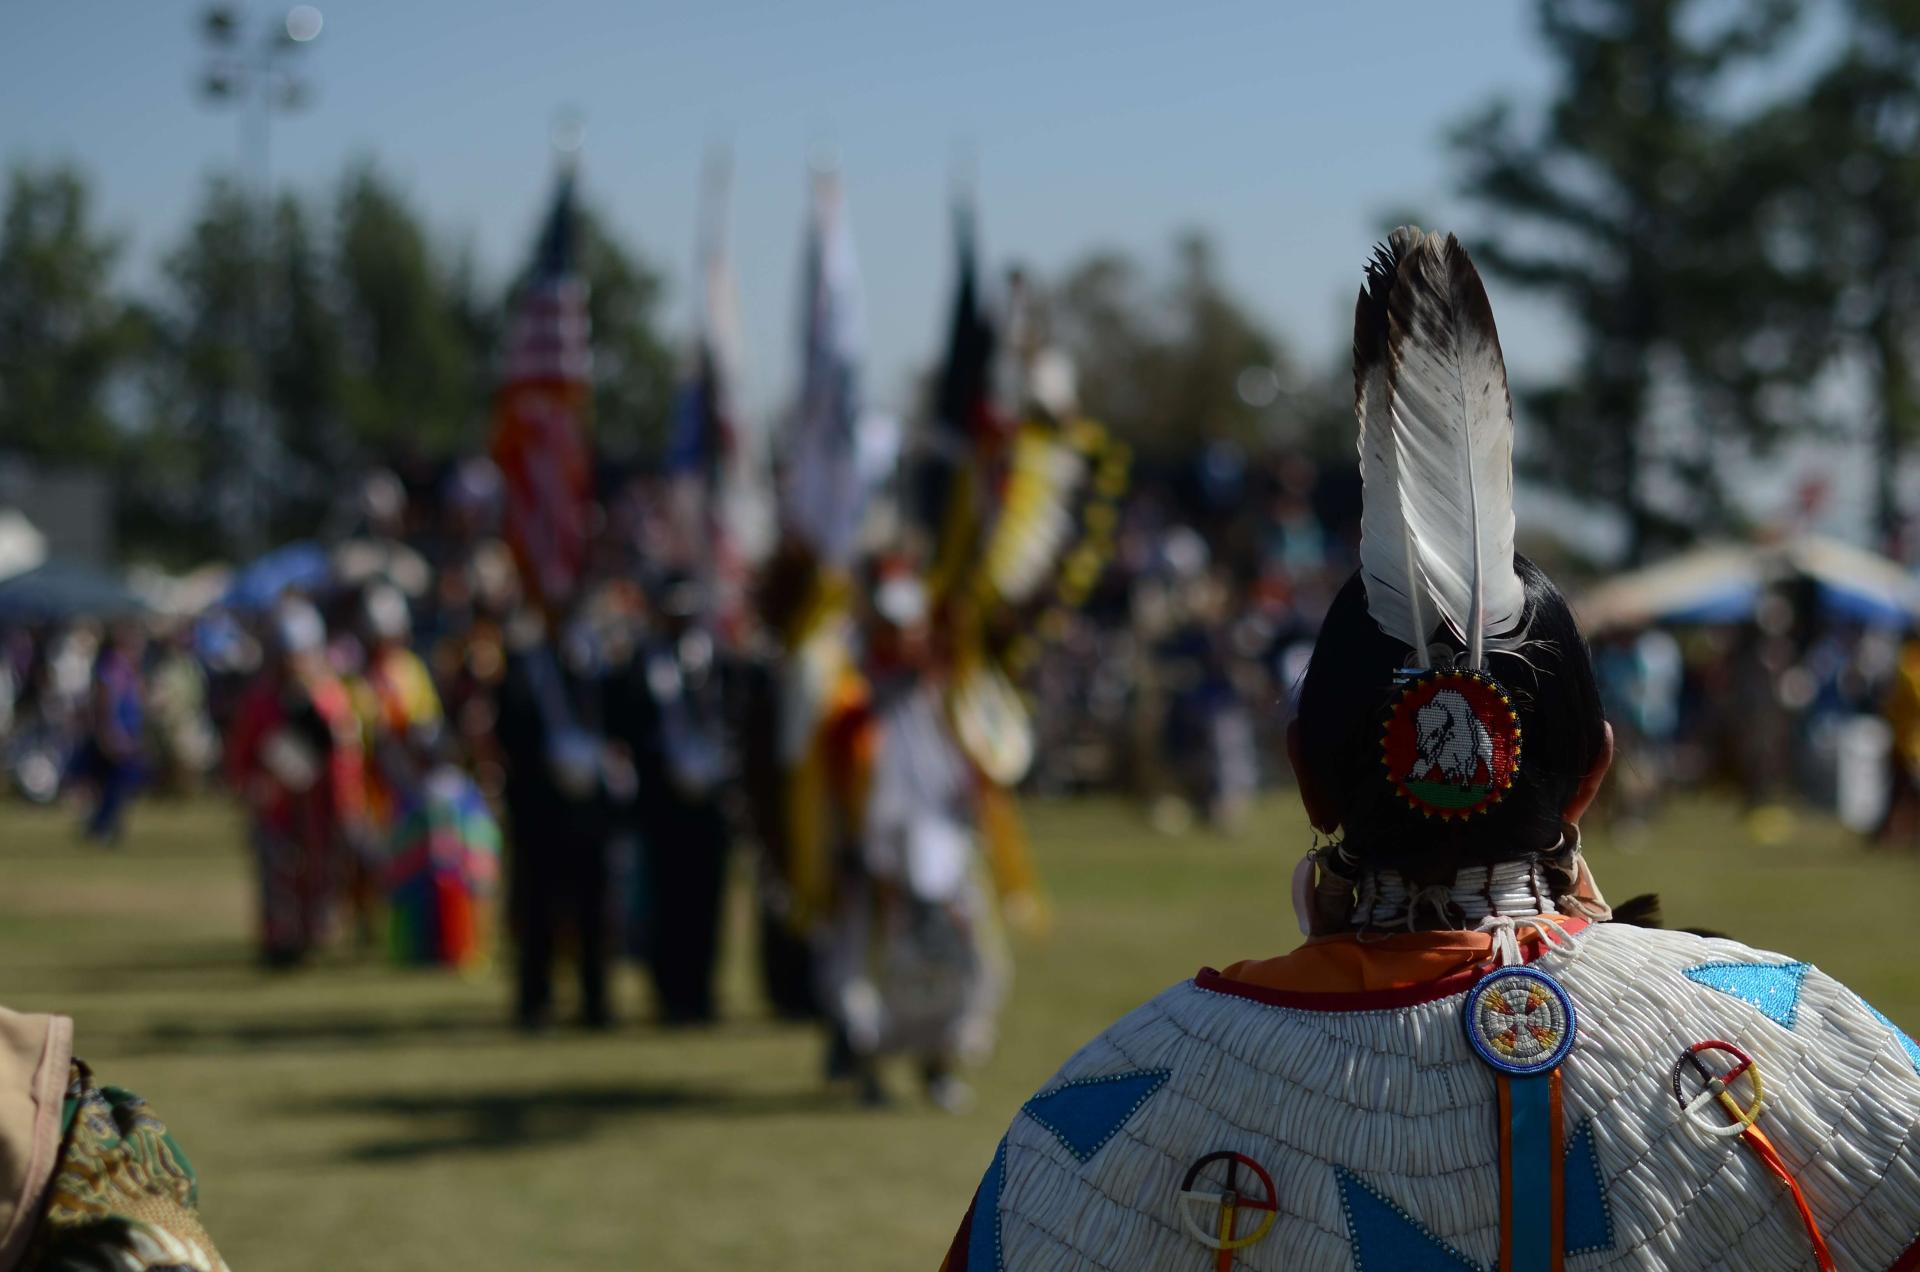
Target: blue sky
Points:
(1285, 129)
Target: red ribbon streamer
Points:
(1770, 1156)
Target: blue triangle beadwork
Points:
(1588, 1219)
(1772, 988)
(983, 1244)
(1905, 1039)
(1087, 1112)
(1386, 1238)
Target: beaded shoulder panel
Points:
(1377, 1128)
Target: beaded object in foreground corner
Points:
(123, 1197)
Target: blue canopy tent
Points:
(59, 590)
(1720, 583)
(302, 566)
(1855, 584)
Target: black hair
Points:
(1349, 687)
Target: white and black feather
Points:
(1386, 552)
(1436, 455)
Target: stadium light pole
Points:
(252, 70)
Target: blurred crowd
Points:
(385, 706)
(410, 738)
(1790, 706)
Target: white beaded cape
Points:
(1378, 1127)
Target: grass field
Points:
(352, 1116)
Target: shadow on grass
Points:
(484, 1121)
(205, 967)
(305, 1031)
(183, 1037)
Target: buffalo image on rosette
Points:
(1451, 745)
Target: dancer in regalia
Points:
(1471, 1063)
(294, 756)
(401, 722)
(909, 773)
(806, 759)
(909, 964)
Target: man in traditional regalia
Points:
(922, 747)
(1472, 1062)
(401, 720)
(909, 963)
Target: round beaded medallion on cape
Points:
(1520, 1020)
(1221, 1231)
(1451, 745)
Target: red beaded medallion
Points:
(1451, 745)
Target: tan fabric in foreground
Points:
(34, 1054)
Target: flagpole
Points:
(568, 137)
(716, 191)
(964, 177)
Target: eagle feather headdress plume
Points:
(1436, 451)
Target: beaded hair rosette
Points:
(1451, 742)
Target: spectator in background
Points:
(564, 783)
(1760, 721)
(474, 600)
(400, 721)
(670, 714)
(1293, 538)
(1208, 738)
(1639, 676)
(294, 756)
(16, 655)
(182, 731)
(1901, 825)
(112, 751)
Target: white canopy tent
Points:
(1723, 583)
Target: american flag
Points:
(540, 439)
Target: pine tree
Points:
(410, 376)
(1621, 201)
(1837, 176)
(64, 335)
